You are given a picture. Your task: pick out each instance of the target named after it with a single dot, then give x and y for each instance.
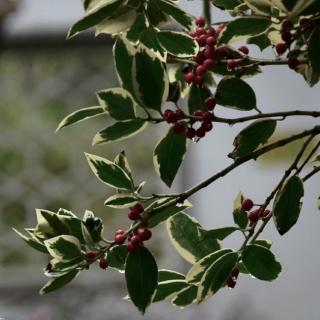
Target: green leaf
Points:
(168, 156)
(168, 289)
(175, 12)
(79, 116)
(150, 81)
(166, 213)
(50, 223)
(74, 227)
(155, 15)
(35, 244)
(119, 131)
(137, 28)
(240, 218)
(261, 262)
(237, 202)
(165, 275)
(244, 28)
(178, 44)
(286, 207)
(57, 283)
(197, 96)
(252, 137)
(197, 271)
(117, 257)
(220, 233)
(122, 161)
(94, 15)
(216, 275)
(62, 266)
(263, 7)
(221, 68)
(185, 235)
(264, 243)
(149, 38)
(120, 201)
(109, 173)
(123, 53)
(226, 4)
(262, 41)
(64, 247)
(118, 102)
(314, 49)
(236, 93)
(185, 297)
(141, 273)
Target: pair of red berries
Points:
(91, 256)
(255, 215)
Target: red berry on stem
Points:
(210, 103)
(136, 240)
(131, 247)
(89, 256)
(200, 31)
(207, 117)
(179, 127)
(208, 64)
(207, 54)
(207, 126)
(200, 22)
(198, 113)
(254, 216)
(247, 204)
(138, 207)
(211, 32)
(103, 263)
(201, 132)
(244, 49)
(232, 64)
(191, 133)
(281, 48)
(120, 231)
(120, 239)
(144, 234)
(287, 24)
(221, 52)
(293, 63)
(133, 214)
(200, 70)
(188, 77)
(286, 36)
(199, 58)
(211, 41)
(199, 80)
(202, 40)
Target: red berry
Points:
(265, 215)
(210, 103)
(220, 53)
(200, 70)
(207, 54)
(244, 49)
(179, 127)
(200, 31)
(235, 272)
(281, 48)
(189, 77)
(211, 41)
(286, 36)
(200, 21)
(199, 58)
(120, 239)
(198, 113)
(138, 207)
(169, 116)
(293, 63)
(144, 234)
(103, 263)
(208, 64)
(89, 256)
(120, 231)
(131, 247)
(286, 24)
(219, 29)
(207, 117)
(210, 32)
(207, 126)
(247, 204)
(199, 80)
(232, 64)
(202, 40)
(133, 214)
(191, 133)
(179, 114)
(231, 283)
(254, 216)
(136, 240)
(201, 132)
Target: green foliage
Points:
(157, 68)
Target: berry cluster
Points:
(254, 215)
(232, 279)
(137, 236)
(287, 37)
(181, 124)
(210, 54)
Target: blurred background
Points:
(43, 78)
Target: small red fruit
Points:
(207, 126)
(210, 32)
(232, 64)
(120, 231)
(210, 103)
(179, 127)
(200, 21)
(131, 247)
(189, 77)
(211, 41)
(221, 52)
(89, 256)
(286, 24)
(202, 40)
(103, 263)
(286, 36)
(120, 239)
(244, 49)
(207, 117)
(201, 132)
(138, 207)
(136, 240)
(254, 216)
(198, 113)
(200, 31)
(246, 204)
(191, 133)
(293, 63)
(144, 234)
(281, 48)
(199, 80)
(133, 214)
(208, 64)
